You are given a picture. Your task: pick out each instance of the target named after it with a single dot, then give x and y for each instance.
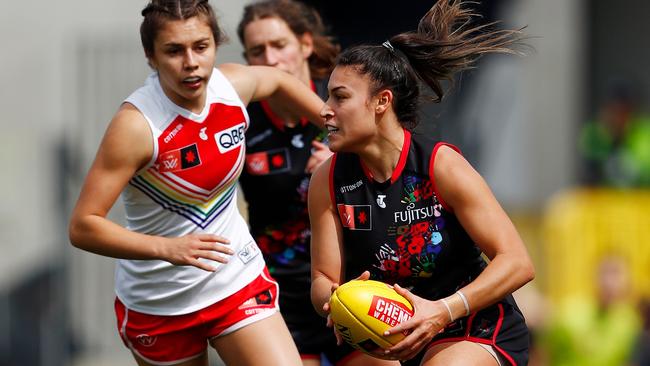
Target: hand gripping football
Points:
(363, 310)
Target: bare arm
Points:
(265, 82)
(326, 240)
(478, 211)
(510, 267)
(125, 148)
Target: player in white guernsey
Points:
(189, 273)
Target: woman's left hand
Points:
(429, 319)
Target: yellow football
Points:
(363, 310)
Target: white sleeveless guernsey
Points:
(188, 187)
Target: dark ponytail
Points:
(445, 43)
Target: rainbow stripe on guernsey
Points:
(186, 199)
(188, 187)
(191, 178)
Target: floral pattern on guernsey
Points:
(283, 244)
(416, 243)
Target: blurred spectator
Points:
(616, 145)
(598, 331)
(641, 354)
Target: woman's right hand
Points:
(326, 307)
(330, 323)
(187, 250)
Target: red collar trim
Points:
(401, 163)
(277, 121)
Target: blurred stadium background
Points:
(535, 127)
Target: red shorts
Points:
(166, 340)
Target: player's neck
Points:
(382, 156)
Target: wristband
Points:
(451, 317)
(462, 296)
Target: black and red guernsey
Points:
(275, 186)
(402, 232)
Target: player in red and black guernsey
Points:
(274, 182)
(189, 274)
(282, 150)
(402, 208)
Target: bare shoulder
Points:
(447, 157)
(232, 70)
(319, 188)
(241, 78)
(128, 138)
(235, 71)
(450, 165)
(456, 179)
(130, 124)
(321, 175)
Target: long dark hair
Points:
(446, 41)
(301, 19)
(157, 12)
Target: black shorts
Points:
(308, 329)
(501, 326)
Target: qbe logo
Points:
(230, 138)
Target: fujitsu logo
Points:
(414, 214)
(389, 311)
